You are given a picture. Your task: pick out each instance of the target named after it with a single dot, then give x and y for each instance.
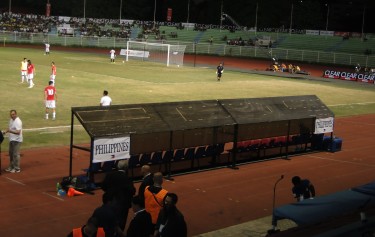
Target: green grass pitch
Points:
(82, 77)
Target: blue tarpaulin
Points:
(316, 210)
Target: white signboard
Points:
(109, 149)
(135, 53)
(312, 32)
(327, 33)
(324, 125)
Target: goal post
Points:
(154, 52)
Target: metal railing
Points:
(196, 48)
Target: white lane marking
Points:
(15, 181)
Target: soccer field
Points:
(82, 77)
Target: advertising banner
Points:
(48, 9)
(350, 76)
(326, 33)
(169, 14)
(324, 125)
(312, 32)
(135, 53)
(109, 149)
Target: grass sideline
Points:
(82, 77)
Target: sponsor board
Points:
(324, 125)
(135, 53)
(350, 76)
(312, 32)
(326, 33)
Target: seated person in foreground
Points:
(302, 189)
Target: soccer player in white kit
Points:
(47, 48)
(113, 55)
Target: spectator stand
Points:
(194, 135)
(298, 46)
(29, 24)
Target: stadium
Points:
(231, 192)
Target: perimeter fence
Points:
(286, 54)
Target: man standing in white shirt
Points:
(105, 100)
(47, 48)
(112, 55)
(15, 140)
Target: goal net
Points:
(155, 52)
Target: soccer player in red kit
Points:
(30, 73)
(50, 99)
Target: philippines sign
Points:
(109, 149)
(324, 125)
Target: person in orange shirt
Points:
(89, 230)
(283, 67)
(154, 196)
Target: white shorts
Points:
(30, 76)
(52, 77)
(23, 73)
(50, 104)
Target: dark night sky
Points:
(344, 15)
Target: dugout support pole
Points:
(71, 146)
(1, 141)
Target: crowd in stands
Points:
(74, 26)
(239, 41)
(173, 35)
(261, 42)
(151, 28)
(200, 27)
(27, 23)
(180, 26)
(364, 70)
(98, 28)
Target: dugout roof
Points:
(163, 126)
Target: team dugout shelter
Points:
(201, 133)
